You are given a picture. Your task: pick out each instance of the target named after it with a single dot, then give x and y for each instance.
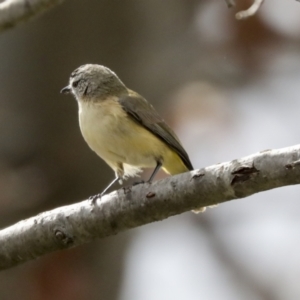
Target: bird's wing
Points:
(144, 113)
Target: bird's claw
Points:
(94, 198)
(138, 182)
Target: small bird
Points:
(122, 127)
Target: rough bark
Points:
(126, 208)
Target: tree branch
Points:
(14, 12)
(126, 208)
(252, 10)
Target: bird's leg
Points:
(138, 182)
(111, 184)
(119, 171)
(158, 166)
(119, 177)
(95, 197)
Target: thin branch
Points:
(252, 10)
(14, 12)
(126, 208)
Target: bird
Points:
(122, 127)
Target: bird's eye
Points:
(75, 83)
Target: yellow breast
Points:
(116, 138)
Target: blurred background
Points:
(228, 88)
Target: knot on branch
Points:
(198, 173)
(63, 238)
(293, 165)
(243, 173)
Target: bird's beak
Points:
(66, 90)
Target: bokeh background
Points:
(229, 88)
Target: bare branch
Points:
(252, 10)
(14, 12)
(126, 208)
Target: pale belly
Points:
(122, 143)
(118, 139)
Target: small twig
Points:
(252, 10)
(14, 12)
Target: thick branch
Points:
(14, 12)
(126, 208)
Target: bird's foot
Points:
(138, 182)
(94, 198)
